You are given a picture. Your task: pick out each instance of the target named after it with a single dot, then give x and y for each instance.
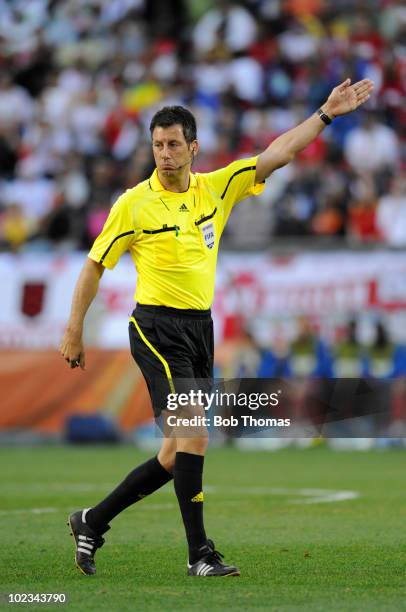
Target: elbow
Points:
(273, 158)
(95, 266)
(284, 159)
(283, 156)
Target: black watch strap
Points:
(325, 118)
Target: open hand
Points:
(346, 97)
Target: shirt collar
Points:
(156, 185)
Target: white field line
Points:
(166, 506)
(326, 497)
(301, 496)
(28, 511)
(55, 487)
(306, 496)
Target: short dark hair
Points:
(172, 115)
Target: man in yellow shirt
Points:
(171, 224)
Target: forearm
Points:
(84, 293)
(297, 139)
(343, 99)
(284, 148)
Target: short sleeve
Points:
(116, 236)
(236, 181)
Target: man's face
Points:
(171, 151)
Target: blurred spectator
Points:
(392, 19)
(391, 213)
(74, 183)
(80, 81)
(297, 44)
(36, 195)
(372, 146)
(366, 41)
(329, 220)
(16, 105)
(9, 144)
(362, 214)
(229, 25)
(15, 227)
(87, 121)
(246, 78)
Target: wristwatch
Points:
(325, 118)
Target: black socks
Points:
(142, 481)
(188, 476)
(147, 478)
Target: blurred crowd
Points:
(360, 353)
(80, 80)
(365, 345)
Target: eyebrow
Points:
(156, 140)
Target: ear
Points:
(195, 148)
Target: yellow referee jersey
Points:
(173, 238)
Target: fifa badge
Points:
(208, 235)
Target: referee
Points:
(171, 224)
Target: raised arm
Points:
(343, 99)
(71, 346)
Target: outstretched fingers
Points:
(364, 86)
(362, 99)
(362, 90)
(343, 86)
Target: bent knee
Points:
(195, 445)
(167, 460)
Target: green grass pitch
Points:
(264, 510)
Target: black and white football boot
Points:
(87, 541)
(210, 563)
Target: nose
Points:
(165, 152)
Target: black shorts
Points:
(173, 349)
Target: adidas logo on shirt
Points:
(184, 208)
